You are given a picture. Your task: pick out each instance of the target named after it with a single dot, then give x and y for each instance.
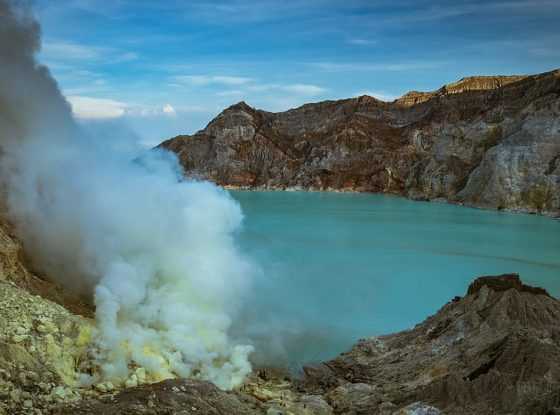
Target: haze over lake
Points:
(337, 267)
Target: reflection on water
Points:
(337, 267)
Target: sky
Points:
(155, 69)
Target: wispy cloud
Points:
(205, 80)
(56, 52)
(96, 108)
(304, 89)
(243, 11)
(231, 93)
(125, 57)
(362, 42)
(545, 52)
(169, 110)
(70, 51)
(457, 9)
(375, 67)
(278, 53)
(244, 85)
(107, 9)
(381, 95)
(308, 90)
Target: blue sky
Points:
(161, 68)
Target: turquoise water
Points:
(338, 267)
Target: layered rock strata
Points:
(491, 142)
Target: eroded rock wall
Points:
(491, 142)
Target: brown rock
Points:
(503, 283)
(494, 351)
(183, 397)
(497, 350)
(492, 142)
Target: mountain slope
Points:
(483, 141)
(42, 344)
(493, 351)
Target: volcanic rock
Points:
(491, 142)
(42, 343)
(168, 397)
(495, 351)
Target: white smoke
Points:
(157, 254)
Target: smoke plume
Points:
(157, 254)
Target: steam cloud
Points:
(158, 254)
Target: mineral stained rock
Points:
(169, 397)
(42, 343)
(494, 351)
(490, 142)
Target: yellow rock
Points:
(140, 375)
(131, 382)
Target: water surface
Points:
(338, 267)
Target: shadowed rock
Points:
(491, 142)
(169, 397)
(494, 351)
(503, 283)
(497, 350)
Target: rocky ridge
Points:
(496, 350)
(471, 83)
(491, 142)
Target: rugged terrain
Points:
(490, 142)
(44, 335)
(494, 351)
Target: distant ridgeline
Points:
(487, 141)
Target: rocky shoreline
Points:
(488, 142)
(552, 215)
(494, 351)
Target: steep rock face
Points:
(15, 270)
(471, 83)
(478, 83)
(497, 350)
(483, 141)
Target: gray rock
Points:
(168, 397)
(491, 142)
(494, 351)
(418, 408)
(497, 350)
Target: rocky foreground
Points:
(490, 142)
(494, 351)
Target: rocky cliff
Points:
(491, 142)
